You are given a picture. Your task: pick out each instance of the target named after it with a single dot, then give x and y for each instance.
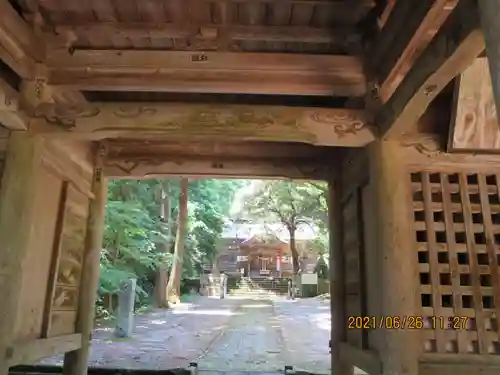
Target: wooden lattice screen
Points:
(355, 284)
(457, 232)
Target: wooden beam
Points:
(11, 115)
(209, 149)
(393, 25)
(474, 123)
(454, 48)
(214, 167)
(173, 30)
(395, 244)
(17, 216)
(213, 72)
(490, 20)
(386, 13)
(318, 126)
(34, 350)
(410, 44)
(76, 362)
(20, 49)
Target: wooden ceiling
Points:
(301, 26)
(374, 66)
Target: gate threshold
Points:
(48, 370)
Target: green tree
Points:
(174, 282)
(288, 202)
(141, 223)
(129, 240)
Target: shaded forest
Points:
(161, 232)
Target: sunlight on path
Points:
(252, 341)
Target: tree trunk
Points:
(293, 249)
(163, 247)
(174, 282)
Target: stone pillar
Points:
(223, 286)
(76, 362)
(19, 184)
(490, 19)
(400, 348)
(125, 312)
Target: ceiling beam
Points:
(386, 13)
(454, 49)
(299, 34)
(428, 16)
(215, 167)
(213, 72)
(204, 148)
(317, 126)
(20, 49)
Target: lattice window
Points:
(457, 233)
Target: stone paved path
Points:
(252, 341)
(259, 333)
(305, 324)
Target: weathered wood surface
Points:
(424, 19)
(76, 362)
(452, 51)
(17, 216)
(475, 121)
(400, 348)
(36, 264)
(214, 72)
(34, 350)
(338, 334)
(214, 167)
(209, 32)
(319, 126)
(490, 21)
(20, 49)
(11, 115)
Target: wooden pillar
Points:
(19, 183)
(490, 20)
(76, 362)
(400, 348)
(338, 309)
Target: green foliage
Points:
(292, 204)
(133, 232)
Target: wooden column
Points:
(17, 216)
(400, 348)
(76, 362)
(337, 282)
(490, 20)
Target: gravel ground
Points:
(255, 333)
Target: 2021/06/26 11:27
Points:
(408, 322)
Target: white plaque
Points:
(309, 278)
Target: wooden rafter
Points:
(386, 13)
(20, 49)
(318, 126)
(454, 48)
(214, 72)
(412, 41)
